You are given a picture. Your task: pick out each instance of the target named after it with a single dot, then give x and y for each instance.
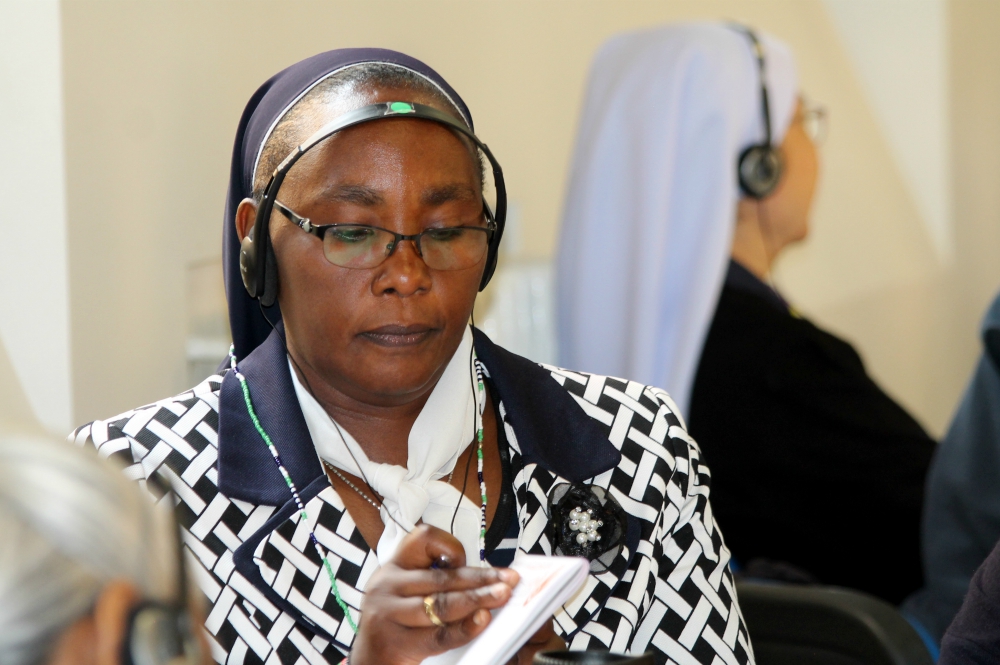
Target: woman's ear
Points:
(110, 620)
(246, 213)
(97, 638)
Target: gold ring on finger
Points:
(431, 614)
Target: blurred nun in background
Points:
(694, 167)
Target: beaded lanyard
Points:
(480, 405)
(291, 486)
(301, 506)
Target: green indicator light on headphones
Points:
(401, 107)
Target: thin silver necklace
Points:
(352, 485)
(364, 496)
(479, 389)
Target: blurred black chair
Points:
(816, 625)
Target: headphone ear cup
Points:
(248, 264)
(759, 169)
(491, 265)
(493, 251)
(270, 294)
(160, 634)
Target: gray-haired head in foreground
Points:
(70, 522)
(289, 132)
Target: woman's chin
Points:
(394, 383)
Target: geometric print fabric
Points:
(269, 601)
(677, 597)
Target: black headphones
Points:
(162, 633)
(760, 166)
(258, 266)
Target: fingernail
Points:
(507, 576)
(479, 618)
(499, 590)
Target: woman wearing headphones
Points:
(354, 482)
(694, 155)
(89, 572)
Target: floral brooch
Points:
(586, 521)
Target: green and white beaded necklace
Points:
(303, 515)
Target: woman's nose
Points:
(403, 272)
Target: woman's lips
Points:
(398, 335)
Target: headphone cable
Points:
(764, 231)
(340, 432)
(468, 460)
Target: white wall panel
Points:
(899, 49)
(34, 305)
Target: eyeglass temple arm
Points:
(302, 222)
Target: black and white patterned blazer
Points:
(669, 590)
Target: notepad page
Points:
(546, 583)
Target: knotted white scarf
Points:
(443, 430)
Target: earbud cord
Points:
(308, 387)
(764, 230)
(468, 461)
(303, 516)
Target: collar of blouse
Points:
(550, 426)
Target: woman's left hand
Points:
(545, 639)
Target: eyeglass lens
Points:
(365, 247)
(814, 123)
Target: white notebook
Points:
(547, 582)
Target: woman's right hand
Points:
(396, 630)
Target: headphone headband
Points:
(256, 261)
(759, 167)
(758, 51)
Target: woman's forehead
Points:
(432, 195)
(378, 157)
(311, 114)
(355, 96)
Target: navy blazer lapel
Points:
(246, 468)
(281, 562)
(552, 430)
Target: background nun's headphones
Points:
(257, 264)
(760, 166)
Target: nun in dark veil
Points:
(358, 478)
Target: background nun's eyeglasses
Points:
(361, 246)
(814, 121)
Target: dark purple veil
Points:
(263, 110)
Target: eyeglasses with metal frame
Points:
(815, 120)
(361, 246)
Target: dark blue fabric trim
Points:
(501, 557)
(246, 468)
(244, 563)
(552, 430)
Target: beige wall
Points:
(153, 91)
(15, 411)
(920, 333)
(34, 298)
(975, 73)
